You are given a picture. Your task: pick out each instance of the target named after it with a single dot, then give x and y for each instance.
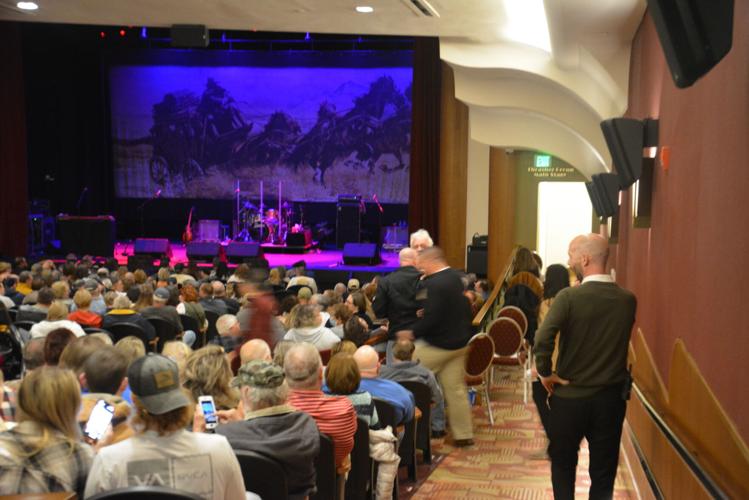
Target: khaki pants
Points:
(449, 368)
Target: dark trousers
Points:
(599, 419)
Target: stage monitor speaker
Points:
(695, 35)
(477, 258)
(300, 239)
(189, 35)
(348, 224)
(604, 194)
(360, 254)
(155, 247)
(238, 251)
(203, 250)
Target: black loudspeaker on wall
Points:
(238, 251)
(189, 35)
(477, 260)
(360, 254)
(626, 138)
(155, 247)
(695, 35)
(604, 194)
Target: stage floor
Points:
(316, 259)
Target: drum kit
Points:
(265, 225)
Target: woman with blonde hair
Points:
(178, 352)
(207, 373)
(43, 453)
(145, 299)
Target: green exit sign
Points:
(543, 161)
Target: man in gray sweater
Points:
(589, 388)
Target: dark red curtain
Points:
(425, 136)
(13, 174)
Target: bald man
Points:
(398, 396)
(588, 392)
(255, 349)
(396, 298)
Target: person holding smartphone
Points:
(161, 445)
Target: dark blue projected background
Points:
(323, 124)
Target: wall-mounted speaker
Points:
(626, 138)
(603, 191)
(695, 35)
(189, 35)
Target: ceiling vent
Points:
(421, 8)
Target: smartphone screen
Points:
(100, 418)
(209, 411)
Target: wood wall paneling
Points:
(502, 206)
(453, 172)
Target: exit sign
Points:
(543, 161)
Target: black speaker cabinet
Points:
(348, 224)
(203, 250)
(87, 235)
(238, 252)
(135, 262)
(360, 254)
(155, 247)
(477, 260)
(189, 35)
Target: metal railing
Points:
(494, 301)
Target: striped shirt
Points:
(334, 415)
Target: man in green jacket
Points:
(588, 390)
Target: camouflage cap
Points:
(259, 373)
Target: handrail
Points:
(479, 321)
(700, 473)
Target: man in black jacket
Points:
(396, 298)
(442, 335)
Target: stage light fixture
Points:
(27, 5)
(102, 34)
(364, 9)
(143, 32)
(122, 32)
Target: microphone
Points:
(157, 193)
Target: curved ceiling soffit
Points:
(530, 92)
(523, 129)
(588, 81)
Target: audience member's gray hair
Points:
(260, 398)
(321, 300)
(33, 353)
(421, 234)
(122, 302)
(306, 316)
(302, 366)
(225, 322)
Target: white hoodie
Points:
(319, 336)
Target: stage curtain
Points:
(13, 172)
(425, 137)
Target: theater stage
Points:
(316, 259)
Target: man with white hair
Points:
(334, 415)
(588, 391)
(398, 396)
(395, 298)
(420, 240)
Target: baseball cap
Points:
(91, 284)
(161, 293)
(259, 373)
(353, 284)
(304, 293)
(155, 380)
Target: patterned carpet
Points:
(503, 463)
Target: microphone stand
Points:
(142, 208)
(379, 226)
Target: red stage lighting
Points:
(102, 34)
(122, 32)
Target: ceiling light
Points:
(364, 9)
(27, 5)
(527, 23)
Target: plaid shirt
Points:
(8, 405)
(56, 467)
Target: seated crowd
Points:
(283, 361)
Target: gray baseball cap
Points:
(155, 380)
(161, 293)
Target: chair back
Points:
(189, 323)
(423, 397)
(507, 336)
(385, 413)
(30, 315)
(91, 329)
(146, 493)
(360, 475)
(515, 313)
(325, 356)
(122, 330)
(480, 354)
(326, 471)
(211, 333)
(25, 325)
(12, 312)
(262, 475)
(165, 331)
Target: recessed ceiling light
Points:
(27, 5)
(364, 9)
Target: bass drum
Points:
(260, 231)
